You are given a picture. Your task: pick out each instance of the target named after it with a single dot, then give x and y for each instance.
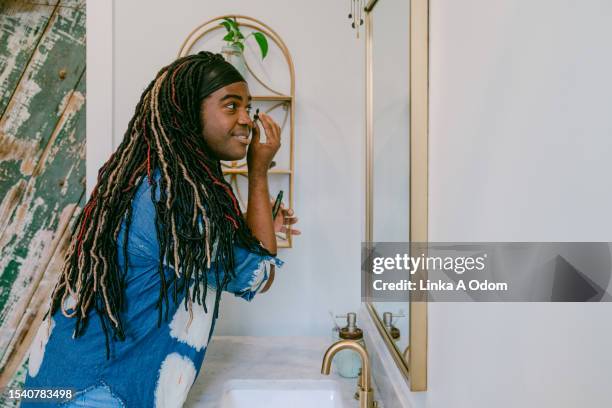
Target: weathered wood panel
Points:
(16, 363)
(42, 178)
(29, 241)
(31, 118)
(21, 28)
(15, 383)
(32, 114)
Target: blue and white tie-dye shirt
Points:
(153, 367)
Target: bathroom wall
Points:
(520, 151)
(322, 270)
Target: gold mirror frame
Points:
(414, 369)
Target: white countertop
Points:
(262, 358)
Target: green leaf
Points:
(234, 24)
(241, 45)
(263, 43)
(230, 25)
(227, 26)
(229, 37)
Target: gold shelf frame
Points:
(284, 100)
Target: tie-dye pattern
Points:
(153, 367)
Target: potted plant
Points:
(234, 49)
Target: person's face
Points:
(226, 121)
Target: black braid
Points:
(165, 133)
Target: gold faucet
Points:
(366, 395)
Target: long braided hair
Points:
(196, 209)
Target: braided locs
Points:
(197, 207)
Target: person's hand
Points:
(284, 220)
(260, 155)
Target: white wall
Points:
(322, 270)
(99, 107)
(520, 150)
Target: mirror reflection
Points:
(390, 36)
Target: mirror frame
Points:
(414, 369)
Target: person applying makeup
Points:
(160, 238)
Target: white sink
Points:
(281, 394)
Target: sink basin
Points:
(281, 394)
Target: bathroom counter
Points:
(262, 358)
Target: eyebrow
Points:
(233, 96)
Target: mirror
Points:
(396, 162)
(390, 41)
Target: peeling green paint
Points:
(15, 383)
(9, 274)
(20, 33)
(42, 147)
(58, 183)
(31, 116)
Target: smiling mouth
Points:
(242, 138)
